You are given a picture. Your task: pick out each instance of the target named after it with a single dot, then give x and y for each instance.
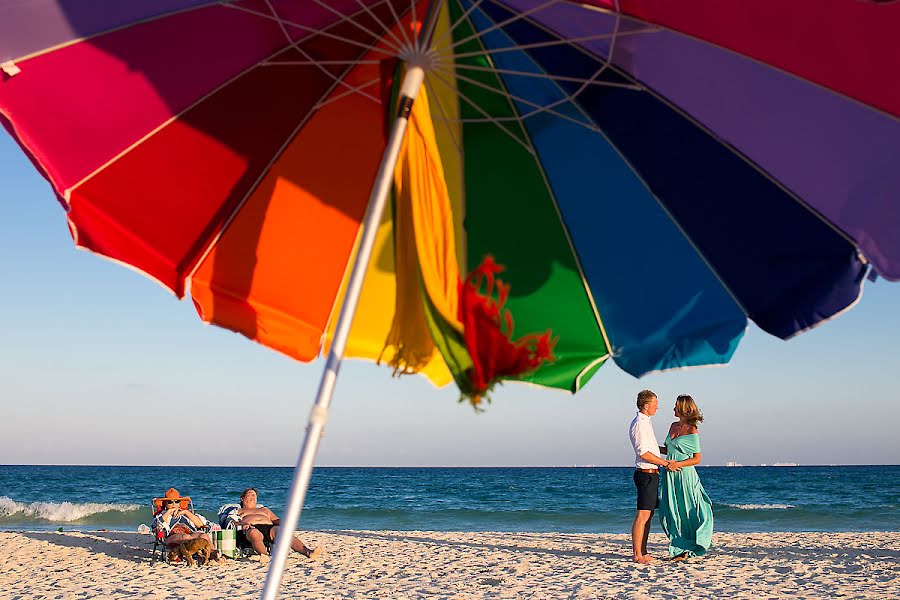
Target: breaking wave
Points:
(12, 512)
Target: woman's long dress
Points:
(685, 510)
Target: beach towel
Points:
(228, 516)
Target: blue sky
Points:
(99, 365)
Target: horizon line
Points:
(571, 466)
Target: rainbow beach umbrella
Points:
(567, 182)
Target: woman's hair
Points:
(686, 408)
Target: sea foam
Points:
(761, 506)
(58, 512)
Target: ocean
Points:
(574, 500)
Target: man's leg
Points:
(296, 544)
(255, 537)
(646, 533)
(640, 530)
(639, 534)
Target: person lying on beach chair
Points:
(175, 522)
(257, 527)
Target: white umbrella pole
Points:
(319, 414)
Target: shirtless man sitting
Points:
(261, 525)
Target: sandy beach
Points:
(421, 564)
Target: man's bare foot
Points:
(645, 559)
(264, 559)
(317, 553)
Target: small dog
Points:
(188, 549)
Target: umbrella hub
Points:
(426, 59)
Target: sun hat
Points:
(172, 494)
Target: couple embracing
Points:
(685, 509)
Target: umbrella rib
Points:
(62, 45)
(349, 19)
(68, 191)
(476, 120)
(592, 81)
(840, 94)
(432, 91)
(415, 22)
(587, 368)
(459, 21)
(575, 256)
(529, 147)
(637, 174)
(318, 62)
(350, 92)
(319, 66)
(612, 51)
(454, 132)
(66, 194)
(646, 186)
(566, 97)
(556, 42)
(562, 223)
(382, 24)
(475, 105)
(312, 30)
(538, 108)
(409, 43)
(262, 174)
(518, 16)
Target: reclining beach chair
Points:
(159, 534)
(229, 519)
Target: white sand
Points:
(395, 564)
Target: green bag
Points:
(225, 541)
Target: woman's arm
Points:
(693, 460)
(196, 520)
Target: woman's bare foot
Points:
(645, 559)
(680, 557)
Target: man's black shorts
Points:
(647, 490)
(265, 530)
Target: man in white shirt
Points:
(646, 472)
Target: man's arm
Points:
(275, 520)
(646, 447)
(652, 458)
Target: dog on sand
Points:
(198, 546)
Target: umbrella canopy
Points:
(651, 175)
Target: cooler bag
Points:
(225, 541)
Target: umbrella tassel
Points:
(488, 332)
(432, 300)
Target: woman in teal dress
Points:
(685, 510)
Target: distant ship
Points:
(732, 463)
(785, 464)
